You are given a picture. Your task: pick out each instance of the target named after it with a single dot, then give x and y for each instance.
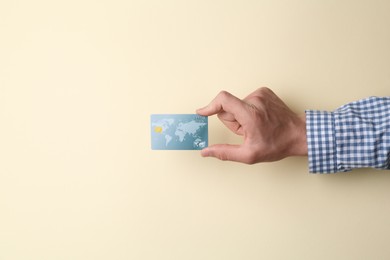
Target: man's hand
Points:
(270, 129)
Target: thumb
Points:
(225, 152)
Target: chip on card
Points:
(179, 131)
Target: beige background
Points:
(79, 79)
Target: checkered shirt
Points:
(356, 135)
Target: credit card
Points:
(178, 131)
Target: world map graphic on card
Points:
(178, 131)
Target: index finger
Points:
(223, 102)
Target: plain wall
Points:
(79, 80)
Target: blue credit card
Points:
(179, 131)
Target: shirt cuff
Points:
(321, 141)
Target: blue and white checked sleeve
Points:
(356, 135)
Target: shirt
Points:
(356, 135)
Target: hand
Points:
(270, 129)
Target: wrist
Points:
(298, 145)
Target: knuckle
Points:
(223, 157)
(264, 90)
(223, 94)
(251, 158)
(260, 99)
(251, 161)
